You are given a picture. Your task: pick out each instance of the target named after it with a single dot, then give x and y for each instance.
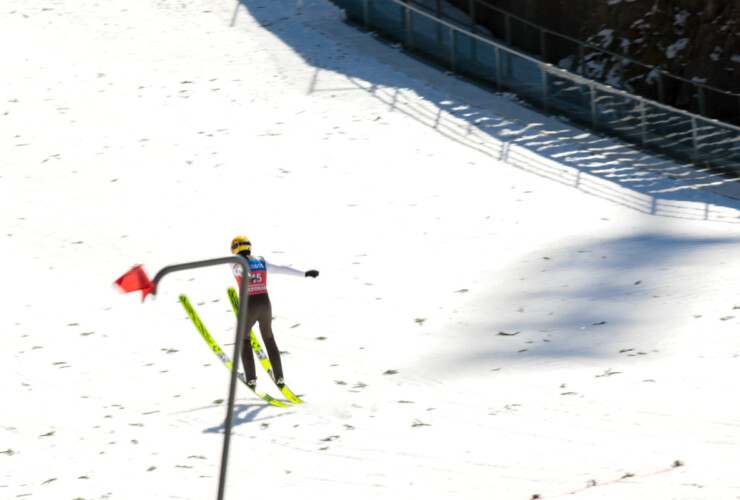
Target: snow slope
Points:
(508, 307)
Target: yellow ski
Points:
(221, 354)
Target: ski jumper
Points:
(259, 310)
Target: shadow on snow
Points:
(592, 301)
(243, 414)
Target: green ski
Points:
(257, 348)
(221, 354)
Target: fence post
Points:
(543, 45)
(499, 76)
(545, 104)
(702, 101)
(694, 140)
(409, 35)
(594, 120)
(453, 50)
(643, 122)
(473, 10)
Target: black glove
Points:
(312, 274)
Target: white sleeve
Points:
(237, 270)
(275, 269)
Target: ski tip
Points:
(290, 396)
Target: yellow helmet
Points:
(239, 244)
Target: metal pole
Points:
(453, 49)
(543, 45)
(594, 118)
(702, 101)
(241, 327)
(439, 27)
(544, 89)
(694, 140)
(409, 30)
(643, 122)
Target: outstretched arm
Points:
(276, 269)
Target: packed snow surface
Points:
(508, 307)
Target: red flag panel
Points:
(134, 280)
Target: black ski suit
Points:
(259, 310)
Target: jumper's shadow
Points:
(599, 166)
(243, 414)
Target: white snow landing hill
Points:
(508, 308)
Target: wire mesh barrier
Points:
(635, 119)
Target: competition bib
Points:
(258, 271)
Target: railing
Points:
(680, 134)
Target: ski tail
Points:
(257, 348)
(221, 354)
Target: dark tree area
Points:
(697, 40)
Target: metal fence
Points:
(680, 134)
(594, 62)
